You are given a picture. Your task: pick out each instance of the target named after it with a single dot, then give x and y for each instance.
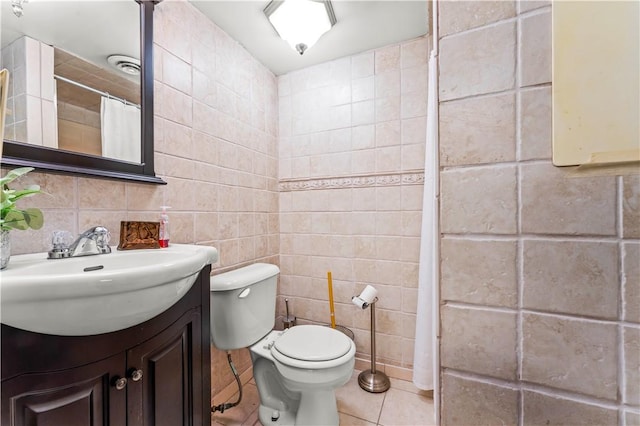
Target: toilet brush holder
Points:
(288, 321)
(372, 380)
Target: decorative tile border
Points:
(358, 181)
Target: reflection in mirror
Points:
(79, 102)
(61, 73)
(98, 111)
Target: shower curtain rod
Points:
(91, 89)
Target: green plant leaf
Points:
(6, 193)
(23, 219)
(34, 218)
(6, 202)
(15, 220)
(10, 216)
(14, 174)
(27, 192)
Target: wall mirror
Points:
(81, 99)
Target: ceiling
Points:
(83, 36)
(362, 25)
(85, 28)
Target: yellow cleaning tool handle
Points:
(333, 313)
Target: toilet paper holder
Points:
(368, 296)
(371, 380)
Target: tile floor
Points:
(403, 404)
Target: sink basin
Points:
(97, 294)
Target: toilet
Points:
(296, 370)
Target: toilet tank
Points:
(243, 305)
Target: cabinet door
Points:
(165, 377)
(82, 396)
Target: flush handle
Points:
(244, 293)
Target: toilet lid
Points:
(313, 343)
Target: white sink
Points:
(97, 294)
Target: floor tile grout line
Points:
(224, 422)
(381, 409)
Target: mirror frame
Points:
(53, 160)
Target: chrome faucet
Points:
(91, 242)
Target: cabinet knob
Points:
(135, 374)
(119, 382)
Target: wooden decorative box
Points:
(139, 235)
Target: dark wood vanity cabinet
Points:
(76, 396)
(170, 386)
(155, 373)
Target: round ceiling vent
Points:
(125, 64)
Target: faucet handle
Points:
(102, 239)
(61, 241)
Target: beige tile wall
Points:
(539, 271)
(540, 277)
(352, 136)
(217, 153)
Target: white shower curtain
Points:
(121, 131)
(425, 362)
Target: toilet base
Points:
(318, 407)
(296, 397)
(285, 418)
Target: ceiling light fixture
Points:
(301, 22)
(17, 7)
(125, 64)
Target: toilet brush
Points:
(332, 311)
(288, 322)
(371, 380)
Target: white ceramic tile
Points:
(354, 401)
(477, 62)
(414, 53)
(406, 408)
(32, 63)
(34, 120)
(362, 65)
(47, 83)
(362, 89)
(456, 16)
(541, 409)
(535, 49)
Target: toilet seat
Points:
(312, 347)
